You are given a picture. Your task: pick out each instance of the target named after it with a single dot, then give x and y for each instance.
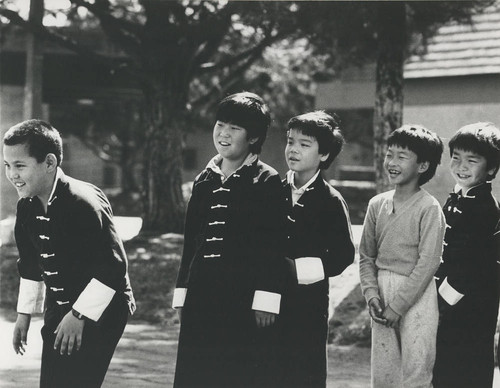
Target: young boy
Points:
(400, 251)
(319, 245)
(228, 284)
(468, 275)
(67, 245)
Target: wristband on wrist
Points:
(77, 315)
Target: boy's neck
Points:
(404, 192)
(300, 179)
(228, 166)
(45, 196)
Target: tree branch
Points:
(68, 43)
(125, 33)
(229, 61)
(227, 82)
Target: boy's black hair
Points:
(40, 137)
(426, 144)
(325, 129)
(248, 111)
(481, 138)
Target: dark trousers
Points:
(465, 345)
(304, 335)
(87, 367)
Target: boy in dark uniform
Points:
(468, 275)
(69, 254)
(319, 246)
(228, 286)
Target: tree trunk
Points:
(34, 65)
(164, 206)
(128, 163)
(388, 113)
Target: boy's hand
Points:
(264, 319)
(392, 318)
(19, 339)
(69, 334)
(375, 309)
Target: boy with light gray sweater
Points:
(400, 251)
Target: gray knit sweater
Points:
(408, 242)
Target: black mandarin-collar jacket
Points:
(318, 226)
(74, 242)
(471, 244)
(234, 229)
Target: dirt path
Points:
(145, 358)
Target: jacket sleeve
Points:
(339, 251)
(474, 254)
(96, 236)
(269, 250)
(190, 228)
(31, 288)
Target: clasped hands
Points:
(387, 317)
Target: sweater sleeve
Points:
(368, 252)
(432, 228)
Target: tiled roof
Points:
(461, 49)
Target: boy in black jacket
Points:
(319, 246)
(468, 275)
(71, 256)
(228, 285)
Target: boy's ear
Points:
(51, 162)
(423, 167)
(492, 171)
(253, 140)
(324, 157)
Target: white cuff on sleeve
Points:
(31, 296)
(449, 294)
(94, 299)
(266, 301)
(309, 270)
(179, 297)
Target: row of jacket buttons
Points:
(216, 227)
(48, 255)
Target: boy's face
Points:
(302, 153)
(29, 177)
(402, 166)
(469, 169)
(231, 141)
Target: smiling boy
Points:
(400, 251)
(319, 246)
(70, 256)
(228, 286)
(468, 276)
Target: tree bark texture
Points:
(388, 113)
(34, 65)
(164, 206)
